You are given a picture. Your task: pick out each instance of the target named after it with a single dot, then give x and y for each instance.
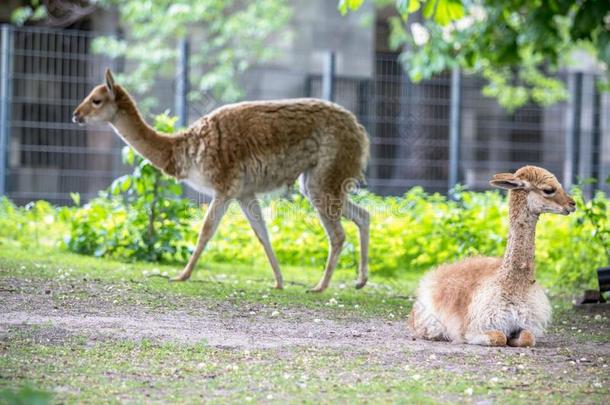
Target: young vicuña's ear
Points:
(109, 82)
(508, 181)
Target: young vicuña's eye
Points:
(96, 101)
(548, 191)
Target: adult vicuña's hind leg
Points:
(329, 205)
(360, 217)
(336, 237)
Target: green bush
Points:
(35, 224)
(411, 233)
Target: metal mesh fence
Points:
(47, 73)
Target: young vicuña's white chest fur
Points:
(509, 313)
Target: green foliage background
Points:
(516, 45)
(411, 233)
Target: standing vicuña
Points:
(493, 301)
(253, 147)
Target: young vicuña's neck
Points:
(518, 262)
(129, 125)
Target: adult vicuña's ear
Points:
(507, 181)
(109, 82)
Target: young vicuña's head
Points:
(100, 105)
(544, 192)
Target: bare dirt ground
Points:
(97, 312)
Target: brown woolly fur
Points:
(243, 149)
(493, 301)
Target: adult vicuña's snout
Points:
(571, 204)
(77, 118)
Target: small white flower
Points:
(447, 31)
(420, 34)
(275, 313)
(416, 377)
(493, 380)
(317, 320)
(432, 357)
(464, 23)
(478, 12)
(468, 391)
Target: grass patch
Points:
(150, 372)
(386, 297)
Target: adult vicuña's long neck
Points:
(129, 125)
(518, 262)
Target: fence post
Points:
(572, 142)
(328, 77)
(596, 141)
(5, 103)
(182, 83)
(454, 128)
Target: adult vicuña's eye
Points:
(96, 102)
(549, 191)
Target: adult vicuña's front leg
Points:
(253, 212)
(214, 214)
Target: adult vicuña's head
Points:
(100, 105)
(544, 193)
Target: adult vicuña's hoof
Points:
(361, 283)
(181, 277)
(317, 289)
